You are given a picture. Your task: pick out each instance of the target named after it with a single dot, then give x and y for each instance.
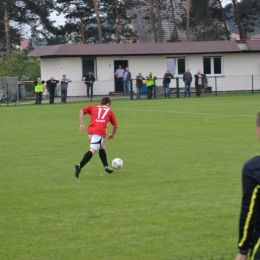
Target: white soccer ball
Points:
(117, 163)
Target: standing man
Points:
(249, 221)
(166, 82)
(89, 81)
(100, 115)
(64, 82)
(119, 79)
(150, 83)
(126, 79)
(187, 78)
(199, 82)
(51, 86)
(139, 85)
(39, 89)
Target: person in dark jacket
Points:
(249, 220)
(166, 83)
(64, 83)
(187, 78)
(199, 82)
(139, 85)
(126, 79)
(51, 86)
(89, 81)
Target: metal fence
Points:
(10, 84)
(217, 85)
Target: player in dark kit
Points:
(100, 115)
(249, 223)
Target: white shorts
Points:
(95, 141)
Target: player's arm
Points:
(111, 136)
(81, 121)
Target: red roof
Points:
(255, 37)
(24, 44)
(166, 48)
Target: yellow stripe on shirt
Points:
(249, 215)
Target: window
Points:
(89, 64)
(212, 65)
(177, 66)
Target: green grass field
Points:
(177, 196)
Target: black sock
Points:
(103, 156)
(85, 159)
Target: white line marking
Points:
(181, 112)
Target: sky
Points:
(59, 20)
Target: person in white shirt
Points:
(119, 78)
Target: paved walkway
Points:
(69, 99)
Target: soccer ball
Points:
(117, 163)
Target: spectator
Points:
(205, 83)
(39, 89)
(139, 85)
(51, 86)
(64, 82)
(89, 81)
(187, 78)
(126, 79)
(198, 82)
(150, 83)
(166, 83)
(119, 79)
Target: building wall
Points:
(237, 71)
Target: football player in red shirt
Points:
(100, 115)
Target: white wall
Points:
(71, 67)
(237, 70)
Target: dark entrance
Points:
(119, 82)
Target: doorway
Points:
(118, 83)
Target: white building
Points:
(229, 65)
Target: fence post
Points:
(91, 89)
(154, 92)
(252, 84)
(216, 91)
(7, 92)
(131, 89)
(177, 88)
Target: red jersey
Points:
(99, 118)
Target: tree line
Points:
(111, 21)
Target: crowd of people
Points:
(122, 84)
(123, 77)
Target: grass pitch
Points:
(177, 196)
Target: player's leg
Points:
(95, 144)
(103, 158)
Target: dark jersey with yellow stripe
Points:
(249, 224)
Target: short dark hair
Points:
(258, 120)
(105, 100)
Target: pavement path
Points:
(69, 99)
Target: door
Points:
(118, 83)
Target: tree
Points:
(245, 15)
(176, 37)
(95, 3)
(20, 13)
(80, 17)
(188, 20)
(204, 21)
(152, 19)
(116, 20)
(159, 19)
(24, 67)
